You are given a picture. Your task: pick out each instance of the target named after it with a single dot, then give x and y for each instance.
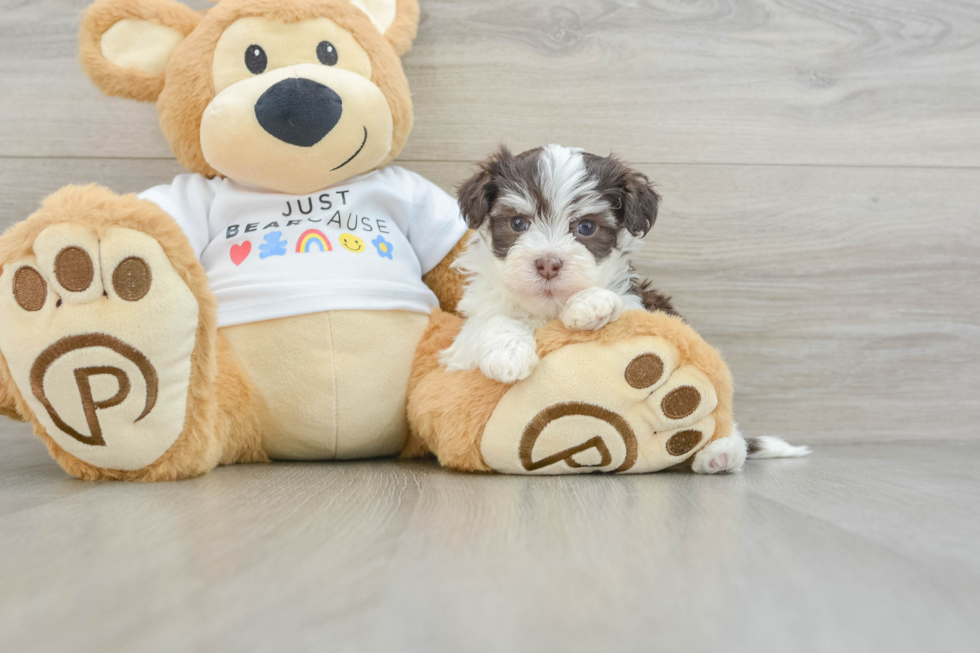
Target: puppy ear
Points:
(124, 45)
(477, 194)
(629, 193)
(639, 204)
(396, 19)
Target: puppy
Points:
(554, 228)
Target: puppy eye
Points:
(255, 59)
(518, 224)
(586, 227)
(326, 53)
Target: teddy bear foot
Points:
(628, 406)
(98, 331)
(641, 394)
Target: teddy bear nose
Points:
(299, 111)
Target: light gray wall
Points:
(820, 164)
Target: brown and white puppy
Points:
(554, 229)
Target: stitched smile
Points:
(355, 153)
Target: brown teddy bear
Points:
(282, 300)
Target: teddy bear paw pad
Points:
(628, 407)
(98, 333)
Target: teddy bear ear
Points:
(124, 45)
(396, 19)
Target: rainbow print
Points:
(312, 237)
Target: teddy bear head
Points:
(289, 95)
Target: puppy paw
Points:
(725, 455)
(510, 361)
(591, 309)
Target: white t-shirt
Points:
(363, 244)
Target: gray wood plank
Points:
(24, 183)
(935, 484)
(27, 478)
(391, 556)
(742, 81)
(844, 299)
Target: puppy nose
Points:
(299, 111)
(548, 267)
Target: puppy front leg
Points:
(591, 309)
(633, 303)
(501, 347)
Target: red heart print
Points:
(240, 252)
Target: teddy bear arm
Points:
(446, 281)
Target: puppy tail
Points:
(769, 446)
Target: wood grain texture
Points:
(870, 82)
(859, 548)
(844, 299)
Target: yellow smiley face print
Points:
(352, 243)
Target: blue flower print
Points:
(272, 245)
(383, 246)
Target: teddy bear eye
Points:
(255, 59)
(326, 53)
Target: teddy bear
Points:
(288, 297)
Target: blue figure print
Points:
(272, 245)
(383, 246)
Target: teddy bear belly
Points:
(331, 385)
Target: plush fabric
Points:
(128, 82)
(445, 280)
(218, 410)
(318, 418)
(242, 149)
(140, 44)
(586, 378)
(182, 104)
(692, 348)
(196, 450)
(121, 329)
(189, 87)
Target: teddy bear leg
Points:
(639, 395)
(237, 423)
(109, 341)
(447, 411)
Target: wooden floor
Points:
(865, 547)
(820, 164)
